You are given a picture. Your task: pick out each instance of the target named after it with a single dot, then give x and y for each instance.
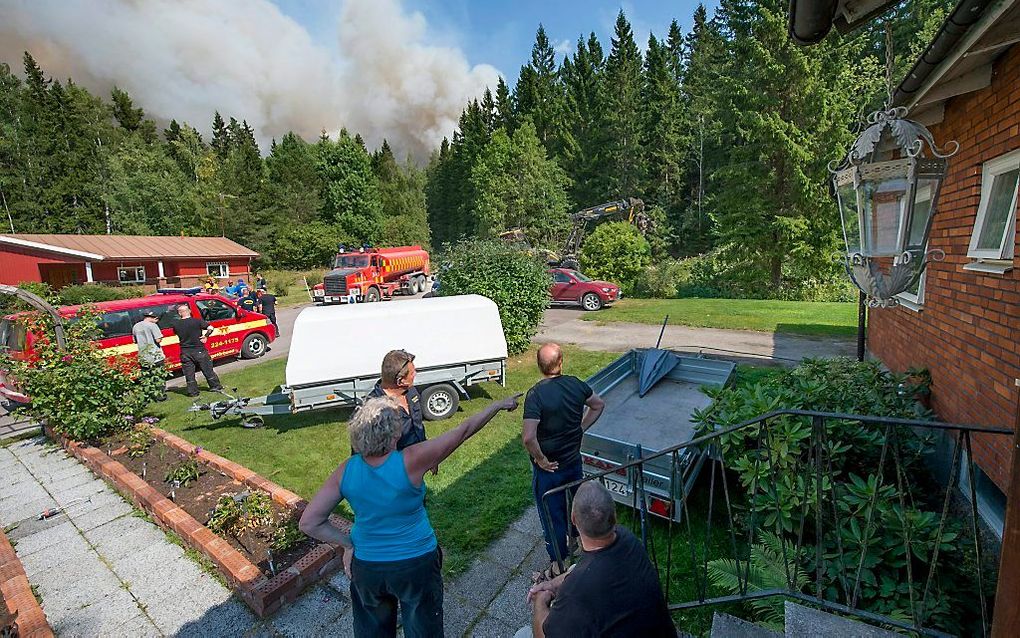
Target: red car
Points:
(570, 287)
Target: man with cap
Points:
(148, 336)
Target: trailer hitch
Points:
(232, 405)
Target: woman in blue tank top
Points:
(391, 555)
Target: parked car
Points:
(572, 288)
(240, 333)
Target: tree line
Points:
(724, 131)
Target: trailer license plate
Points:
(617, 488)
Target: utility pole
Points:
(1006, 616)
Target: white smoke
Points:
(184, 59)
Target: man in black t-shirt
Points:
(554, 422)
(267, 306)
(613, 591)
(193, 334)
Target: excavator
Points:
(632, 208)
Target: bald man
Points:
(613, 590)
(557, 411)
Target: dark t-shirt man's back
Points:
(268, 303)
(614, 591)
(558, 405)
(190, 332)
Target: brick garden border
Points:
(16, 597)
(264, 595)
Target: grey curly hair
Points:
(374, 425)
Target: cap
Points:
(150, 313)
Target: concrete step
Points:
(805, 622)
(726, 626)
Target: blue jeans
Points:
(542, 482)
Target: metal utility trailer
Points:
(635, 426)
(441, 389)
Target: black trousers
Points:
(193, 358)
(415, 583)
(272, 319)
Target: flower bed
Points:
(266, 567)
(18, 606)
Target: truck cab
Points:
(370, 275)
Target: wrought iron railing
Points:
(813, 543)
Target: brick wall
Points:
(968, 332)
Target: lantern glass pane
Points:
(884, 202)
(847, 198)
(926, 188)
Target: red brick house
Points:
(963, 320)
(62, 260)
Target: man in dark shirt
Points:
(397, 380)
(613, 591)
(248, 301)
(554, 422)
(193, 334)
(267, 306)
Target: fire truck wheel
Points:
(591, 301)
(254, 346)
(439, 402)
(372, 295)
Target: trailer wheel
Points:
(591, 301)
(439, 402)
(373, 295)
(254, 346)
(252, 421)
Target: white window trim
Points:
(990, 170)
(909, 300)
(131, 269)
(226, 269)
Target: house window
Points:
(995, 226)
(217, 269)
(131, 275)
(913, 299)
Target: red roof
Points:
(121, 247)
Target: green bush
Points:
(304, 246)
(517, 282)
(616, 252)
(80, 391)
(778, 464)
(662, 280)
(10, 304)
(94, 293)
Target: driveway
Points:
(565, 325)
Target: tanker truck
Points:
(372, 274)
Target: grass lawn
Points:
(479, 491)
(795, 317)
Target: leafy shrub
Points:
(238, 513)
(10, 304)
(615, 252)
(661, 280)
(80, 391)
(775, 468)
(139, 442)
(184, 473)
(94, 293)
(225, 515)
(517, 282)
(302, 246)
(286, 536)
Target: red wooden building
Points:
(63, 260)
(963, 320)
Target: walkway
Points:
(563, 325)
(103, 569)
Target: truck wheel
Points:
(254, 346)
(439, 402)
(373, 295)
(591, 301)
(412, 286)
(417, 285)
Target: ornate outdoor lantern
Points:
(887, 188)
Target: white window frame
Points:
(226, 269)
(131, 269)
(909, 300)
(992, 169)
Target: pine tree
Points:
(625, 171)
(504, 111)
(124, 111)
(294, 183)
(220, 136)
(584, 149)
(488, 105)
(350, 194)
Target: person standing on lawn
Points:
(396, 380)
(267, 306)
(193, 334)
(391, 556)
(613, 591)
(554, 422)
(148, 336)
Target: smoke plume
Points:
(184, 59)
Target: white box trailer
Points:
(336, 353)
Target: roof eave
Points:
(34, 245)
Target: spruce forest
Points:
(724, 131)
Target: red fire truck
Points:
(374, 273)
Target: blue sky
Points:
(501, 33)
